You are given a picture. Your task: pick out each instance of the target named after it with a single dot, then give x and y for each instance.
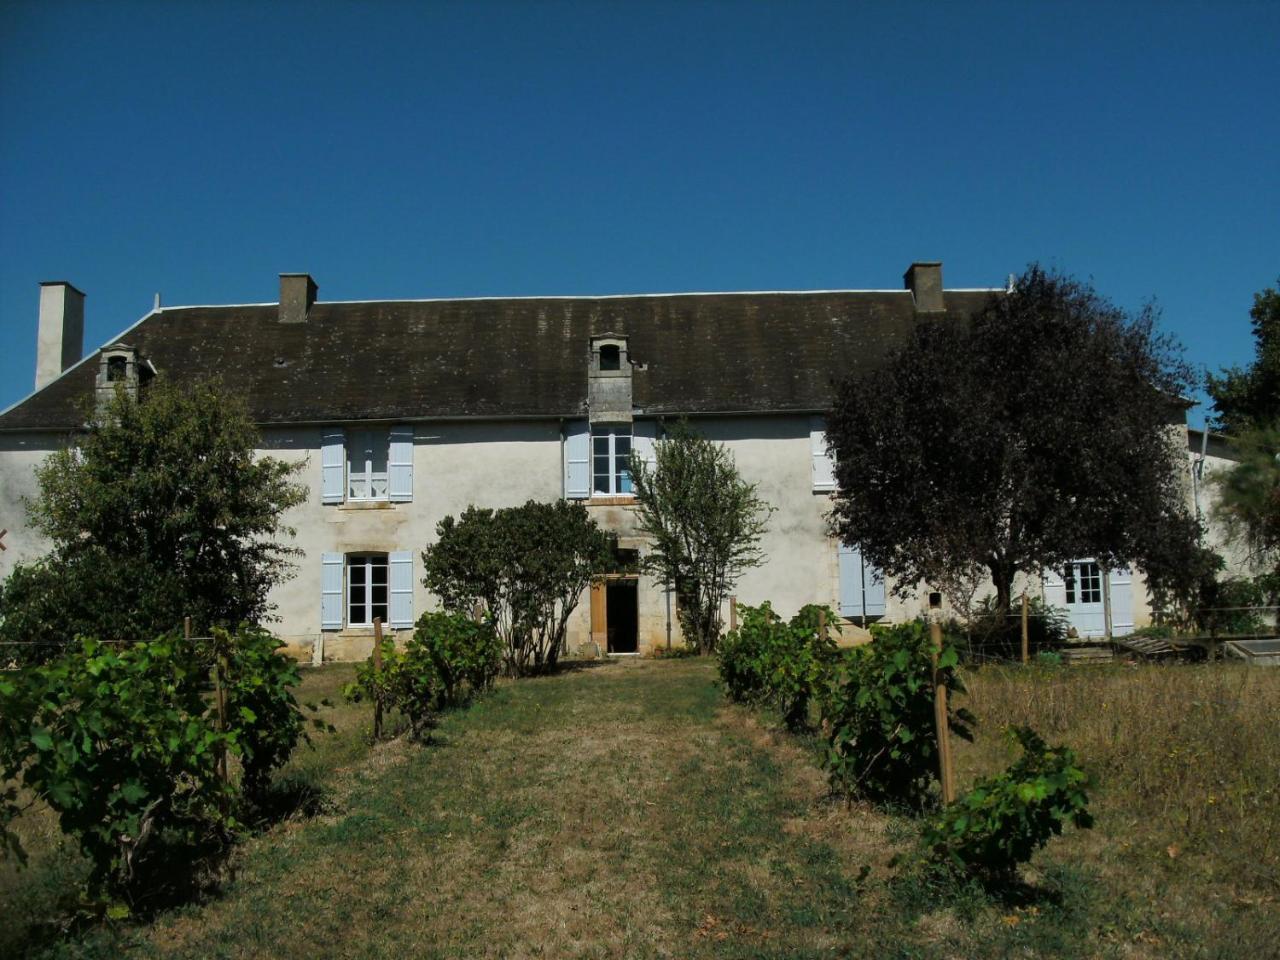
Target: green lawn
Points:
(617, 810)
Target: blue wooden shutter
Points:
(862, 588)
(644, 438)
(400, 465)
(331, 591)
(332, 461)
(577, 460)
(850, 581)
(1055, 589)
(1121, 601)
(400, 577)
(824, 474)
(873, 589)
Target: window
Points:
(1083, 582)
(611, 357)
(1090, 583)
(367, 464)
(366, 589)
(117, 369)
(611, 460)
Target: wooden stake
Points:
(822, 626)
(946, 775)
(220, 700)
(377, 673)
(186, 630)
(1025, 641)
(733, 613)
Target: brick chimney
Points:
(60, 340)
(297, 295)
(924, 280)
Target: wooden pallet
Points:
(1144, 646)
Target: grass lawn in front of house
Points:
(626, 810)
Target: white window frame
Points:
(366, 562)
(615, 475)
(368, 475)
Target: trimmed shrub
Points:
(878, 712)
(1004, 819)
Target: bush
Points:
(767, 660)
(878, 711)
(1004, 819)
(466, 655)
(449, 660)
(121, 745)
(528, 566)
(262, 715)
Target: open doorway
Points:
(622, 619)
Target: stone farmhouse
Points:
(404, 412)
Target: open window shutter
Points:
(644, 438)
(1121, 601)
(400, 465)
(400, 566)
(577, 460)
(850, 581)
(824, 474)
(1055, 589)
(331, 592)
(332, 456)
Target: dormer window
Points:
(609, 356)
(117, 369)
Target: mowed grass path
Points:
(626, 810)
(618, 810)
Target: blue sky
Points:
(422, 150)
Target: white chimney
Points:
(60, 340)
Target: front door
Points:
(622, 616)
(1080, 591)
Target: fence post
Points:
(186, 630)
(733, 613)
(1025, 643)
(946, 776)
(377, 678)
(822, 626)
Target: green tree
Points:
(1248, 501)
(704, 523)
(159, 510)
(527, 566)
(1043, 430)
(1250, 397)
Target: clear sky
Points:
(406, 150)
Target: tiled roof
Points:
(526, 357)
